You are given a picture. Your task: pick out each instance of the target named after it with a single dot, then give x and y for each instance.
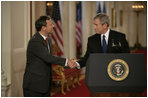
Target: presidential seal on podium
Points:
(118, 69)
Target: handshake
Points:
(72, 64)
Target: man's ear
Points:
(105, 25)
(43, 28)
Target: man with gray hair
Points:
(105, 40)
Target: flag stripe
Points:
(78, 34)
(57, 29)
(78, 28)
(57, 41)
(53, 39)
(78, 40)
(57, 36)
(59, 26)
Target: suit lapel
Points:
(98, 43)
(109, 41)
(42, 39)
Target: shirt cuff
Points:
(78, 65)
(66, 62)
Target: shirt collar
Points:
(44, 37)
(106, 34)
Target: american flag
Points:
(79, 29)
(101, 4)
(104, 9)
(57, 36)
(99, 8)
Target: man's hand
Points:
(71, 63)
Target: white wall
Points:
(89, 9)
(5, 47)
(15, 36)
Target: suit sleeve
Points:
(83, 60)
(40, 51)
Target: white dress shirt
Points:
(106, 36)
(44, 37)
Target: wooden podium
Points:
(103, 81)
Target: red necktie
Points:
(48, 45)
(47, 41)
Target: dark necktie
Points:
(47, 41)
(104, 44)
(47, 44)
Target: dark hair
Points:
(41, 22)
(103, 18)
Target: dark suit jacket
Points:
(116, 44)
(38, 72)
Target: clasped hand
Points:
(71, 63)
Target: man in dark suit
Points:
(105, 40)
(38, 73)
